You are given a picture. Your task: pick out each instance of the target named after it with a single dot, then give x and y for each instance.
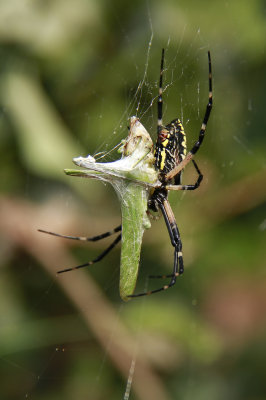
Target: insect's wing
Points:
(134, 221)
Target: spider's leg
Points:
(97, 259)
(197, 145)
(174, 236)
(173, 231)
(207, 112)
(175, 240)
(82, 238)
(160, 97)
(188, 187)
(181, 187)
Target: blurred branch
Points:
(48, 28)
(45, 142)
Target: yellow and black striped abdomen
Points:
(170, 146)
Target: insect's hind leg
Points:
(86, 239)
(89, 239)
(97, 259)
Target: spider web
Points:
(143, 105)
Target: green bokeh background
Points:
(69, 77)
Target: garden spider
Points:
(170, 158)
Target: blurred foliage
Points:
(71, 74)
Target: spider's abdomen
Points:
(170, 146)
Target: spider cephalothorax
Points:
(170, 146)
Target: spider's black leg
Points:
(99, 258)
(207, 112)
(188, 187)
(173, 231)
(88, 239)
(175, 240)
(181, 187)
(197, 145)
(160, 97)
